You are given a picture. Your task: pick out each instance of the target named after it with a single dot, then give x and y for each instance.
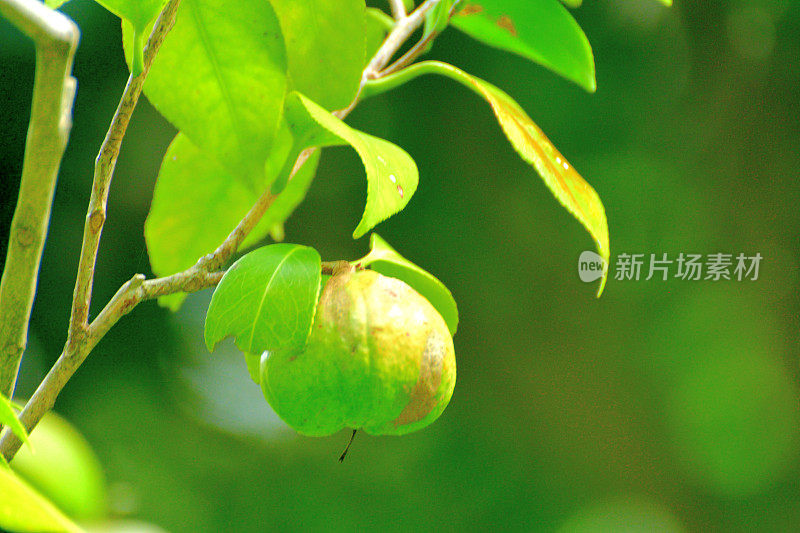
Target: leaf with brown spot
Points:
(542, 31)
(530, 142)
(507, 24)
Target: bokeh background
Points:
(664, 405)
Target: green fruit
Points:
(380, 358)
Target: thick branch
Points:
(56, 38)
(103, 172)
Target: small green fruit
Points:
(380, 358)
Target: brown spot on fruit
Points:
(423, 397)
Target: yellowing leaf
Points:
(22, 509)
(542, 31)
(577, 196)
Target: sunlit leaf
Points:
(220, 78)
(574, 4)
(577, 196)
(139, 13)
(197, 203)
(325, 48)
(253, 362)
(385, 260)
(9, 418)
(392, 175)
(540, 30)
(266, 300)
(24, 510)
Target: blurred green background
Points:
(664, 405)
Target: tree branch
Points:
(398, 9)
(103, 173)
(205, 273)
(399, 35)
(56, 39)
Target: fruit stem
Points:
(336, 267)
(347, 448)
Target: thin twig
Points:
(205, 273)
(399, 35)
(406, 59)
(398, 9)
(56, 39)
(418, 49)
(103, 173)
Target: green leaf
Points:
(325, 48)
(392, 175)
(383, 259)
(577, 196)
(197, 203)
(540, 30)
(9, 418)
(220, 78)
(266, 300)
(253, 362)
(23, 510)
(140, 14)
(574, 4)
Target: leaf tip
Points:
(590, 84)
(603, 280)
(603, 248)
(360, 231)
(211, 341)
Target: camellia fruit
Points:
(379, 358)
